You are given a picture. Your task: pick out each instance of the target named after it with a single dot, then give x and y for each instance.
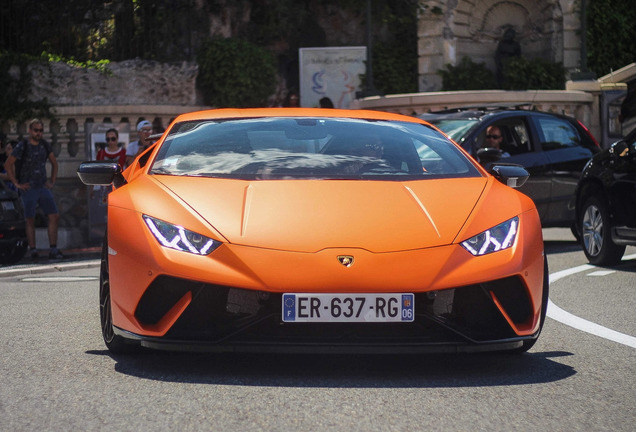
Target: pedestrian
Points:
(325, 102)
(26, 169)
(112, 151)
(135, 148)
(293, 100)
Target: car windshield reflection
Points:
(302, 148)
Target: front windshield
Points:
(298, 148)
(454, 128)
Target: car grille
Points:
(225, 314)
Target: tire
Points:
(545, 296)
(596, 238)
(115, 344)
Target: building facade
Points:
(449, 30)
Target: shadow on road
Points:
(349, 371)
(561, 246)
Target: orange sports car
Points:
(304, 230)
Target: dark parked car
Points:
(606, 203)
(552, 148)
(13, 243)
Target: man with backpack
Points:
(26, 169)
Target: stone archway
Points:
(473, 28)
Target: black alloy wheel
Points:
(115, 344)
(596, 238)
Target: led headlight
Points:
(495, 239)
(179, 238)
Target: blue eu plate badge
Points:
(289, 307)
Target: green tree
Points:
(15, 85)
(395, 52)
(611, 26)
(235, 73)
(467, 75)
(525, 74)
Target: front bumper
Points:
(480, 317)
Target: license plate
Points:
(398, 307)
(7, 205)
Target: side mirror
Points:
(512, 175)
(488, 155)
(619, 149)
(101, 173)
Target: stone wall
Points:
(451, 29)
(131, 82)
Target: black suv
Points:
(13, 242)
(552, 148)
(606, 203)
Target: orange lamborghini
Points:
(304, 230)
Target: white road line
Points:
(558, 314)
(601, 273)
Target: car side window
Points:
(556, 134)
(515, 138)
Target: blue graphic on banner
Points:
(289, 307)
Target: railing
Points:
(67, 131)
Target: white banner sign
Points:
(332, 72)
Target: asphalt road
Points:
(55, 373)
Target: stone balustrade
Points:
(67, 130)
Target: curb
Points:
(50, 268)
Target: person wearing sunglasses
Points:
(26, 169)
(112, 151)
(494, 139)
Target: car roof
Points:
(229, 113)
(483, 111)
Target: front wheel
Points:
(115, 344)
(596, 238)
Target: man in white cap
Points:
(144, 129)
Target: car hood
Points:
(311, 215)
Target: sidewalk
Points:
(74, 259)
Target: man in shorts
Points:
(31, 181)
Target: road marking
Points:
(601, 273)
(59, 279)
(558, 314)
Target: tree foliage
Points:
(467, 75)
(15, 82)
(395, 48)
(235, 73)
(532, 74)
(611, 26)
(518, 74)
